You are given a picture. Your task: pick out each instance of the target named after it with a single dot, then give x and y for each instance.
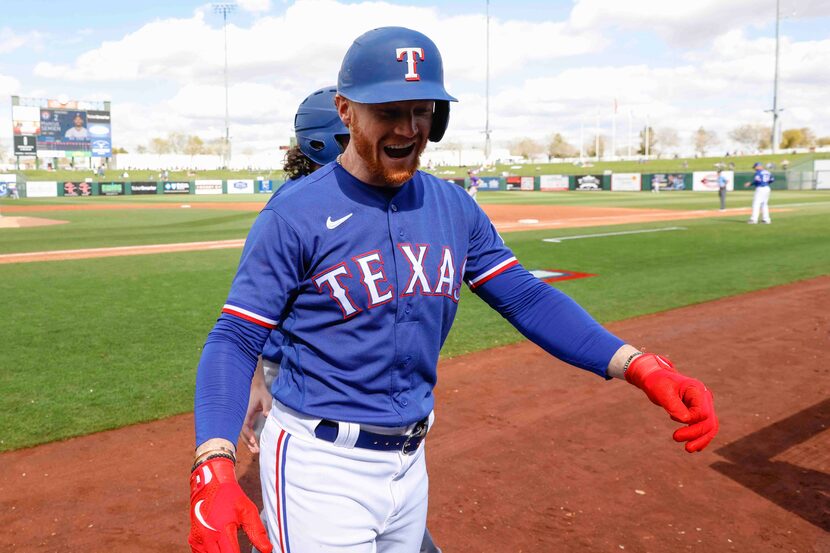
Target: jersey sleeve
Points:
(269, 271)
(487, 255)
(551, 319)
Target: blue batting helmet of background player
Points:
(758, 164)
(321, 135)
(393, 64)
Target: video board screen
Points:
(62, 128)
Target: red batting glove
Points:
(218, 506)
(686, 400)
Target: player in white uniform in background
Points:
(762, 182)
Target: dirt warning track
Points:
(527, 454)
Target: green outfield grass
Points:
(96, 344)
(668, 165)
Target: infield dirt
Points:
(505, 218)
(528, 454)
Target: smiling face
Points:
(78, 121)
(386, 139)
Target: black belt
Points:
(406, 443)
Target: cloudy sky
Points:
(555, 65)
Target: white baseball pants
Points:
(322, 496)
(760, 203)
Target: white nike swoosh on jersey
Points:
(197, 511)
(334, 224)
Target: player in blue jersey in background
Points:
(762, 181)
(360, 265)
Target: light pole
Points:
(487, 146)
(775, 110)
(225, 9)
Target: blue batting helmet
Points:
(392, 64)
(758, 164)
(318, 127)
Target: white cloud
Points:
(9, 86)
(689, 23)
(254, 6)
(11, 40)
(275, 61)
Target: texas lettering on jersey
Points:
(369, 269)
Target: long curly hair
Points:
(297, 164)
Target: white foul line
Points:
(560, 238)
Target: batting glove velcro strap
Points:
(218, 507)
(686, 400)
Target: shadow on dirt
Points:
(802, 491)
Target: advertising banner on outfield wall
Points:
(489, 183)
(527, 184)
(513, 183)
(626, 182)
(208, 186)
(264, 186)
(41, 189)
(707, 181)
(77, 189)
(176, 188)
(668, 181)
(588, 182)
(143, 188)
(245, 186)
(111, 189)
(553, 183)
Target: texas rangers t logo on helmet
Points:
(411, 53)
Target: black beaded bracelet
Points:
(630, 359)
(213, 456)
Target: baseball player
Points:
(762, 182)
(722, 185)
(361, 266)
(474, 184)
(321, 137)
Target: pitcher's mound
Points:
(21, 222)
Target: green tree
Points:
(527, 148)
(703, 140)
(194, 145)
(160, 146)
(752, 136)
(798, 138)
(652, 141)
(558, 147)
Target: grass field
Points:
(95, 344)
(742, 163)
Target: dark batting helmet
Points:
(392, 64)
(320, 132)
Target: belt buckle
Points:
(410, 445)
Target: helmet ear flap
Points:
(440, 120)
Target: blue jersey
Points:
(763, 178)
(364, 284)
(354, 289)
